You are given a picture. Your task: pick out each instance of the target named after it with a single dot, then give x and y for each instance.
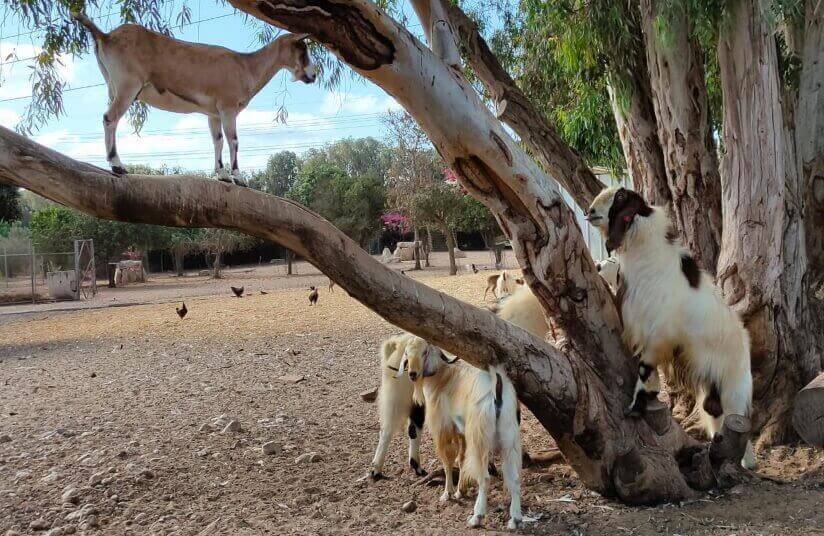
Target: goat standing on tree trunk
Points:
(177, 76)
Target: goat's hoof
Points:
(420, 471)
(376, 475)
(514, 524)
(118, 170)
(475, 521)
(457, 495)
(224, 178)
(445, 496)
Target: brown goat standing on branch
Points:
(173, 75)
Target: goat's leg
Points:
(229, 120)
(445, 450)
(380, 453)
(217, 140)
(124, 97)
(479, 510)
(512, 460)
(416, 418)
(647, 386)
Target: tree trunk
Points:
(578, 394)
(289, 257)
(809, 131)
(179, 257)
(428, 246)
(635, 120)
(450, 248)
(763, 266)
(417, 250)
(676, 73)
(216, 266)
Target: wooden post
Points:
(732, 441)
(808, 412)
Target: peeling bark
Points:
(635, 119)
(763, 266)
(679, 93)
(810, 139)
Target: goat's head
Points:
(420, 359)
(614, 211)
(296, 58)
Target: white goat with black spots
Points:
(397, 407)
(672, 310)
(473, 411)
(141, 65)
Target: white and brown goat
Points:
(470, 412)
(523, 309)
(141, 65)
(397, 407)
(672, 310)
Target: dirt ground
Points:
(103, 412)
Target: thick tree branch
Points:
(516, 110)
(438, 31)
(490, 164)
(679, 93)
(478, 336)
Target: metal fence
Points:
(24, 271)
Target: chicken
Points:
(238, 291)
(313, 296)
(181, 311)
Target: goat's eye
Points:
(619, 195)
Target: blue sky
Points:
(315, 116)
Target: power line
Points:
(347, 120)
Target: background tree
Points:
(344, 182)
(219, 242)
(10, 209)
(279, 174)
(414, 166)
(182, 242)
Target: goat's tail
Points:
(97, 33)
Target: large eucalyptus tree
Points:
(757, 209)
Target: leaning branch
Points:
(492, 167)
(476, 335)
(515, 109)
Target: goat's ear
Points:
(402, 366)
(431, 362)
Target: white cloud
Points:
(14, 71)
(9, 118)
(337, 101)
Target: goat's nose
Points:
(413, 376)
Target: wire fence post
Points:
(76, 270)
(5, 266)
(31, 262)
